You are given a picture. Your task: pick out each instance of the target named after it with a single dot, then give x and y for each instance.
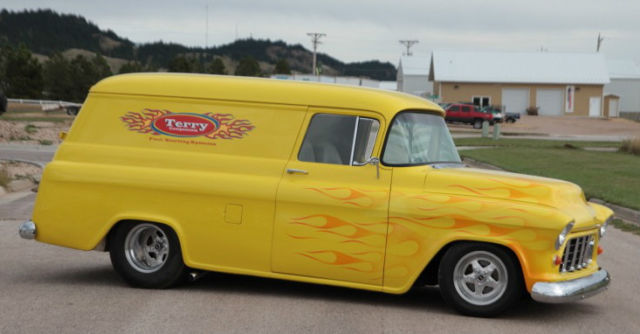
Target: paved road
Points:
(46, 289)
(37, 154)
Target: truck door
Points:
(453, 113)
(332, 202)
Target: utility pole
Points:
(600, 39)
(315, 39)
(206, 30)
(408, 44)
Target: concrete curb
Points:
(35, 163)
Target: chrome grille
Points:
(578, 253)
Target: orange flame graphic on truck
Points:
(415, 225)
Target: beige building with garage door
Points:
(556, 83)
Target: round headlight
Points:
(603, 228)
(563, 235)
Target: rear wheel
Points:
(147, 255)
(479, 279)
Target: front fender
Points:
(421, 225)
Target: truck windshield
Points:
(419, 138)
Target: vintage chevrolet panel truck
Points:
(316, 183)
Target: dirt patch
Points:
(562, 126)
(20, 170)
(18, 176)
(574, 126)
(36, 132)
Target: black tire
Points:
(462, 295)
(511, 120)
(477, 124)
(144, 269)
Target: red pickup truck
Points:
(467, 113)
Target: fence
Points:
(634, 116)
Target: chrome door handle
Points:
(296, 171)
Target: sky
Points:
(359, 30)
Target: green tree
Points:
(217, 67)
(85, 73)
(282, 67)
(58, 78)
(102, 69)
(248, 67)
(22, 73)
(179, 64)
(131, 67)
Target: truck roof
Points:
(219, 87)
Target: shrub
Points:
(30, 129)
(532, 111)
(4, 177)
(631, 146)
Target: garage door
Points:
(550, 102)
(515, 99)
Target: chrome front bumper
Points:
(28, 230)
(572, 290)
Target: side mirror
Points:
(371, 161)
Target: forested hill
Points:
(47, 32)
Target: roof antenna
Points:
(600, 39)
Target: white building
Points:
(413, 76)
(351, 81)
(625, 83)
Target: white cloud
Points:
(370, 29)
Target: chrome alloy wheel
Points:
(146, 248)
(480, 278)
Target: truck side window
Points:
(339, 139)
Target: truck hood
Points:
(564, 196)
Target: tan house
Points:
(554, 83)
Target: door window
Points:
(339, 139)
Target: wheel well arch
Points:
(429, 275)
(107, 238)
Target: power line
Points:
(408, 44)
(315, 39)
(206, 29)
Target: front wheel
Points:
(147, 255)
(477, 124)
(479, 279)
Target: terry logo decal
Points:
(165, 122)
(185, 125)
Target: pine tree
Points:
(58, 78)
(217, 67)
(22, 74)
(131, 67)
(282, 67)
(180, 64)
(248, 67)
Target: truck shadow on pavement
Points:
(425, 299)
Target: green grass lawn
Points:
(611, 176)
(538, 143)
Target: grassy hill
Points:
(46, 32)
